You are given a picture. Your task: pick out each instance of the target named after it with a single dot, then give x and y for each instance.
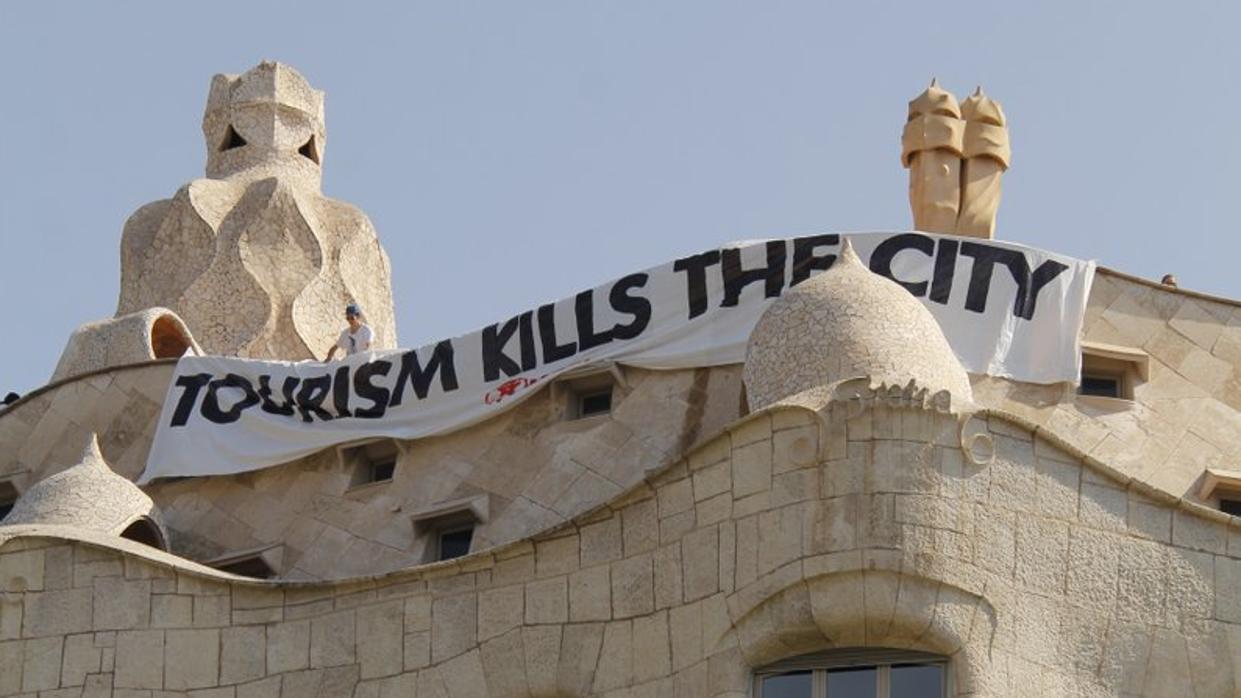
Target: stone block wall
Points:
(43, 433)
(539, 470)
(536, 468)
(1184, 419)
(1035, 572)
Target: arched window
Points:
(168, 339)
(855, 673)
(146, 532)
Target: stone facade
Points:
(1185, 418)
(1038, 571)
(838, 491)
(536, 469)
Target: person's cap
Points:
(353, 309)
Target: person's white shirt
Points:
(355, 342)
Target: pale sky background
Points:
(510, 153)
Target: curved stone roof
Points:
(127, 339)
(87, 496)
(847, 323)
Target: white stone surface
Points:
(88, 496)
(843, 324)
(145, 335)
(255, 260)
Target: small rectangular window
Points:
(8, 497)
(455, 543)
(1111, 371)
(595, 403)
(249, 567)
(590, 395)
(1223, 486)
(371, 463)
(382, 472)
(260, 563)
(447, 530)
(1100, 385)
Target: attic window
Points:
(8, 497)
(1231, 506)
(591, 394)
(595, 402)
(144, 531)
(1224, 485)
(310, 150)
(1110, 371)
(232, 139)
(371, 463)
(249, 567)
(1102, 384)
(454, 543)
(448, 528)
(382, 471)
(260, 563)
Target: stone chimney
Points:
(266, 122)
(956, 155)
(253, 259)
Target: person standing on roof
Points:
(355, 338)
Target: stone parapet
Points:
(1030, 569)
(538, 468)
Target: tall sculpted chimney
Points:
(956, 156)
(986, 157)
(253, 258)
(931, 147)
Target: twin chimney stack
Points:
(956, 155)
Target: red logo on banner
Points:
(508, 389)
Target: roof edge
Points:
(1164, 287)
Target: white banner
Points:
(1007, 310)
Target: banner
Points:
(1007, 310)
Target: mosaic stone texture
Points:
(537, 468)
(254, 259)
(1034, 572)
(43, 432)
(848, 323)
(87, 496)
(154, 333)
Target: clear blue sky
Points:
(515, 152)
